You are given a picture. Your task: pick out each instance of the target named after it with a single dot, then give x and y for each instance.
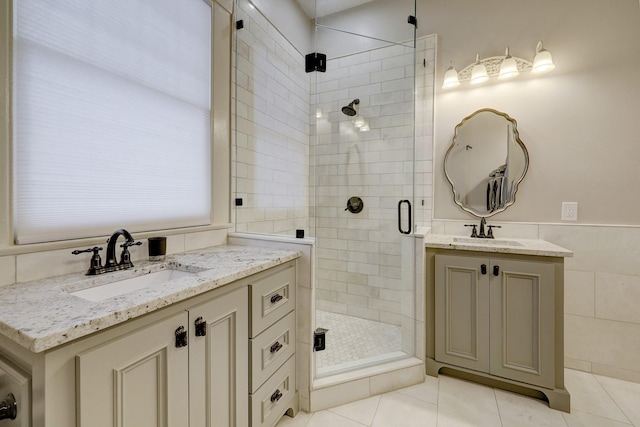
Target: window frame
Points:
(222, 16)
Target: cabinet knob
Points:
(275, 347)
(181, 337)
(8, 408)
(496, 270)
(483, 268)
(276, 396)
(275, 298)
(201, 327)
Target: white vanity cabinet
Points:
(144, 372)
(272, 344)
(497, 318)
(187, 369)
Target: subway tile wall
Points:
(271, 159)
(360, 269)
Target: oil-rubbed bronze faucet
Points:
(481, 234)
(111, 264)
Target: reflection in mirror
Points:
(486, 162)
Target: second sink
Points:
(486, 242)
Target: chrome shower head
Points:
(350, 110)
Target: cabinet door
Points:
(140, 379)
(522, 321)
(462, 312)
(218, 362)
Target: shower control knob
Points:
(9, 408)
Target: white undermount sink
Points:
(486, 242)
(120, 287)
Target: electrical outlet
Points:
(569, 211)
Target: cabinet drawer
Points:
(271, 401)
(272, 297)
(271, 349)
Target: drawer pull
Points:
(181, 337)
(8, 408)
(201, 327)
(276, 396)
(275, 298)
(275, 347)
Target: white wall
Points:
(580, 125)
(577, 122)
(290, 19)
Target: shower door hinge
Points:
(412, 20)
(320, 339)
(315, 62)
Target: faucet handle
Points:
(474, 231)
(490, 232)
(127, 244)
(96, 261)
(125, 256)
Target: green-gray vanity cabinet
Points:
(142, 372)
(498, 319)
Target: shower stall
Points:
(363, 184)
(340, 154)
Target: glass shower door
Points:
(363, 171)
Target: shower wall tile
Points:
(271, 172)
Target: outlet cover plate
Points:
(569, 211)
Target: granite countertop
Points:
(43, 314)
(506, 246)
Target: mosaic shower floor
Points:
(352, 342)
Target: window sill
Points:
(93, 241)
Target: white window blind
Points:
(111, 116)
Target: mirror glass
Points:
(486, 162)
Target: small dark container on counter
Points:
(157, 248)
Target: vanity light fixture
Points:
(504, 67)
(451, 77)
(543, 62)
(479, 72)
(509, 67)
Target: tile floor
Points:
(596, 401)
(352, 341)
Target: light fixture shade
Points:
(450, 78)
(543, 62)
(509, 67)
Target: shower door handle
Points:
(400, 229)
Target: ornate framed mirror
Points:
(486, 162)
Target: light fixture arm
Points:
(492, 65)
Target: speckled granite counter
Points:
(43, 314)
(505, 246)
